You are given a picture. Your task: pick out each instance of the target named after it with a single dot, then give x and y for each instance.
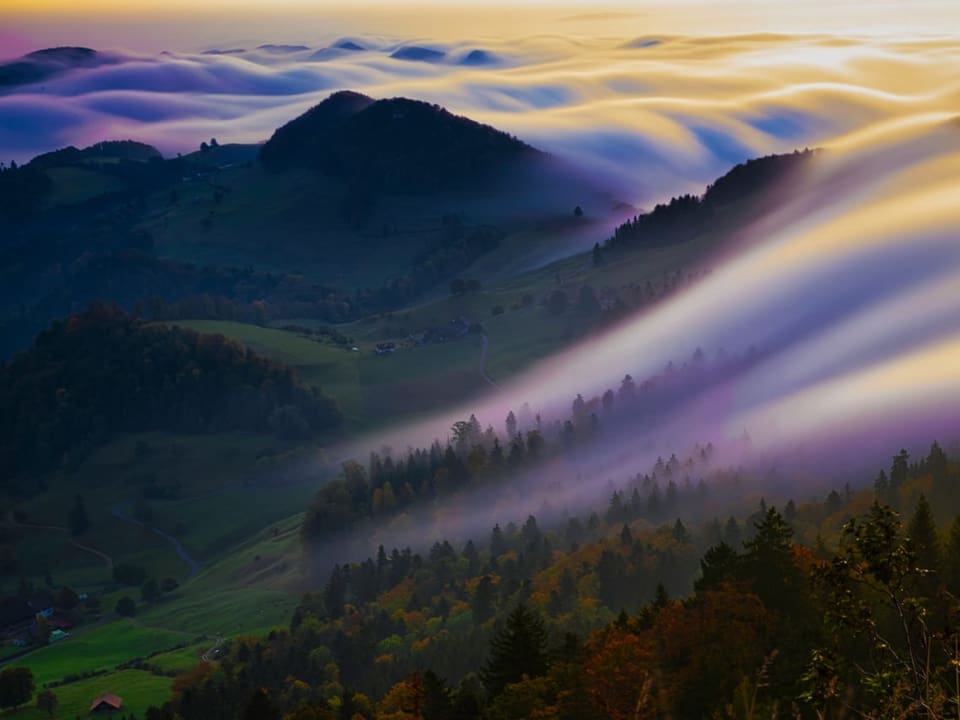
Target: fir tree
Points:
(517, 650)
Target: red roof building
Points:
(106, 703)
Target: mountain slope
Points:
(397, 145)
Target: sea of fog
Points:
(660, 115)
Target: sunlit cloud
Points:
(838, 288)
(659, 115)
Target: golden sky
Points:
(156, 23)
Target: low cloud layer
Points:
(661, 115)
(849, 293)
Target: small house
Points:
(107, 703)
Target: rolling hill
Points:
(358, 206)
(395, 145)
(44, 64)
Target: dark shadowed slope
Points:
(306, 141)
(43, 64)
(395, 145)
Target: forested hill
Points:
(102, 372)
(742, 193)
(394, 145)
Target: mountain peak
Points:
(47, 63)
(396, 144)
(66, 54)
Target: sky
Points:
(154, 25)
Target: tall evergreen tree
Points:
(952, 558)
(484, 598)
(923, 535)
(517, 650)
(899, 470)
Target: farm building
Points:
(106, 703)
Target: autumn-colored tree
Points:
(705, 647)
(619, 673)
(404, 701)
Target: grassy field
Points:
(252, 589)
(101, 648)
(372, 390)
(138, 689)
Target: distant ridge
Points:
(281, 49)
(47, 63)
(112, 149)
(418, 54)
(478, 57)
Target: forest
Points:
(102, 371)
(476, 458)
(742, 192)
(612, 617)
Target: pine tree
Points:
(719, 563)
(899, 469)
(511, 425)
(498, 545)
(952, 558)
(881, 487)
(768, 562)
(437, 701)
(483, 599)
(922, 532)
(731, 532)
(517, 650)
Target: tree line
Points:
(474, 456)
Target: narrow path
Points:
(177, 545)
(107, 560)
(483, 360)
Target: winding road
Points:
(177, 545)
